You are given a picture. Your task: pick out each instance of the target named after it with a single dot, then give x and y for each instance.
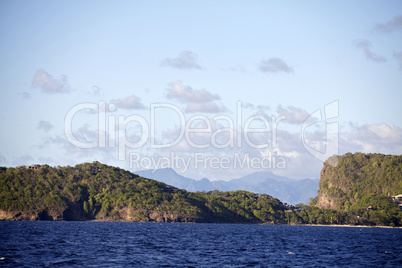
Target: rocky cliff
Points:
(354, 180)
(75, 213)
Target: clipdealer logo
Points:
(112, 134)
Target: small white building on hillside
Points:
(397, 198)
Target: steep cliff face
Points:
(351, 180)
(128, 214)
(325, 197)
(137, 215)
(42, 215)
(76, 213)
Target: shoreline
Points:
(280, 224)
(348, 225)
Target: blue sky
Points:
(210, 61)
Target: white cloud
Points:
(207, 107)
(130, 103)
(75, 154)
(84, 133)
(293, 115)
(61, 141)
(50, 85)
(365, 46)
(392, 25)
(375, 138)
(186, 94)
(385, 131)
(45, 125)
(198, 100)
(275, 65)
(185, 60)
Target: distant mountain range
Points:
(287, 190)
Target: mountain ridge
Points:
(287, 190)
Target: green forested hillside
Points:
(358, 178)
(356, 191)
(96, 191)
(362, 184)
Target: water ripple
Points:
(106, 244)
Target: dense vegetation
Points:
(359, 186)
(99, 191)
(357, 177)
(382, 216)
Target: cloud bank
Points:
(49, 84)
(275, 65)
(187, 94)
(293, 115)
(130, 103)
(185, 60)
(198, 100)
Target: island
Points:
(355, 189)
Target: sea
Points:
(124, 244)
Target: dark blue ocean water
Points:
(118, 244)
